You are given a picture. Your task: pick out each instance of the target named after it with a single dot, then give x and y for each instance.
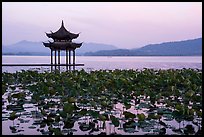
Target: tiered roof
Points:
(62, 45)
(62, 34)
(62, 39)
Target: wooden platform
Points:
(42, 64)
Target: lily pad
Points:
(115, 121)
(85, 127)
(129, 115)
(141, 117)
(69, 124)
(32, 127)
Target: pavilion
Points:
(62, 40)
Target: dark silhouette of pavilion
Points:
(62, 40)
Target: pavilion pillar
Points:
(74, 59)
(51, 57)
(69, 60)
(66, 59)
(51, 60)
(59, 58)
(55, 58)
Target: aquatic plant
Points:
(63, 98)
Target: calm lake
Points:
(114, 62)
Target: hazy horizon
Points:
(110, 44)
(122, 24)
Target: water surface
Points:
(115, 62)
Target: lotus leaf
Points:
(153, 116)
(71, 100)
(13, 116)
(94, 114)
(69, 123)
(127, 105)
(129, 115)
(189, 93)
(199, 113)
(162, 111)
(57, 131)
(144, 105)
(86, 127)
(68, 108)
(104, 103)
(83, 112)
(162, 131)
(18, 95)
(63, 114)
(115, 121)
(128, 125)
(102, 117)
(141, 117)
(189, 129)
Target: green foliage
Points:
(103, 117)
(128, 115)
(141, 117)
(68, 108)
(80, 92)
(20, 95)
(127, 105)
(13, 115)
(114, 120)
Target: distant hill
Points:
(25, 47)
(37, 48)
(178, 48)
(93, 47)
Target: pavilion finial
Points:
(62, 23)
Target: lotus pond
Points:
(102, 102)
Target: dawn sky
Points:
(123, 24)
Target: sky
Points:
(122, 24)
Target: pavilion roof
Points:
(62, 45)
(62, 34)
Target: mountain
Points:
(37, 48)
(187, 47)
(93, 47)
(25, 47)
(179, 48)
